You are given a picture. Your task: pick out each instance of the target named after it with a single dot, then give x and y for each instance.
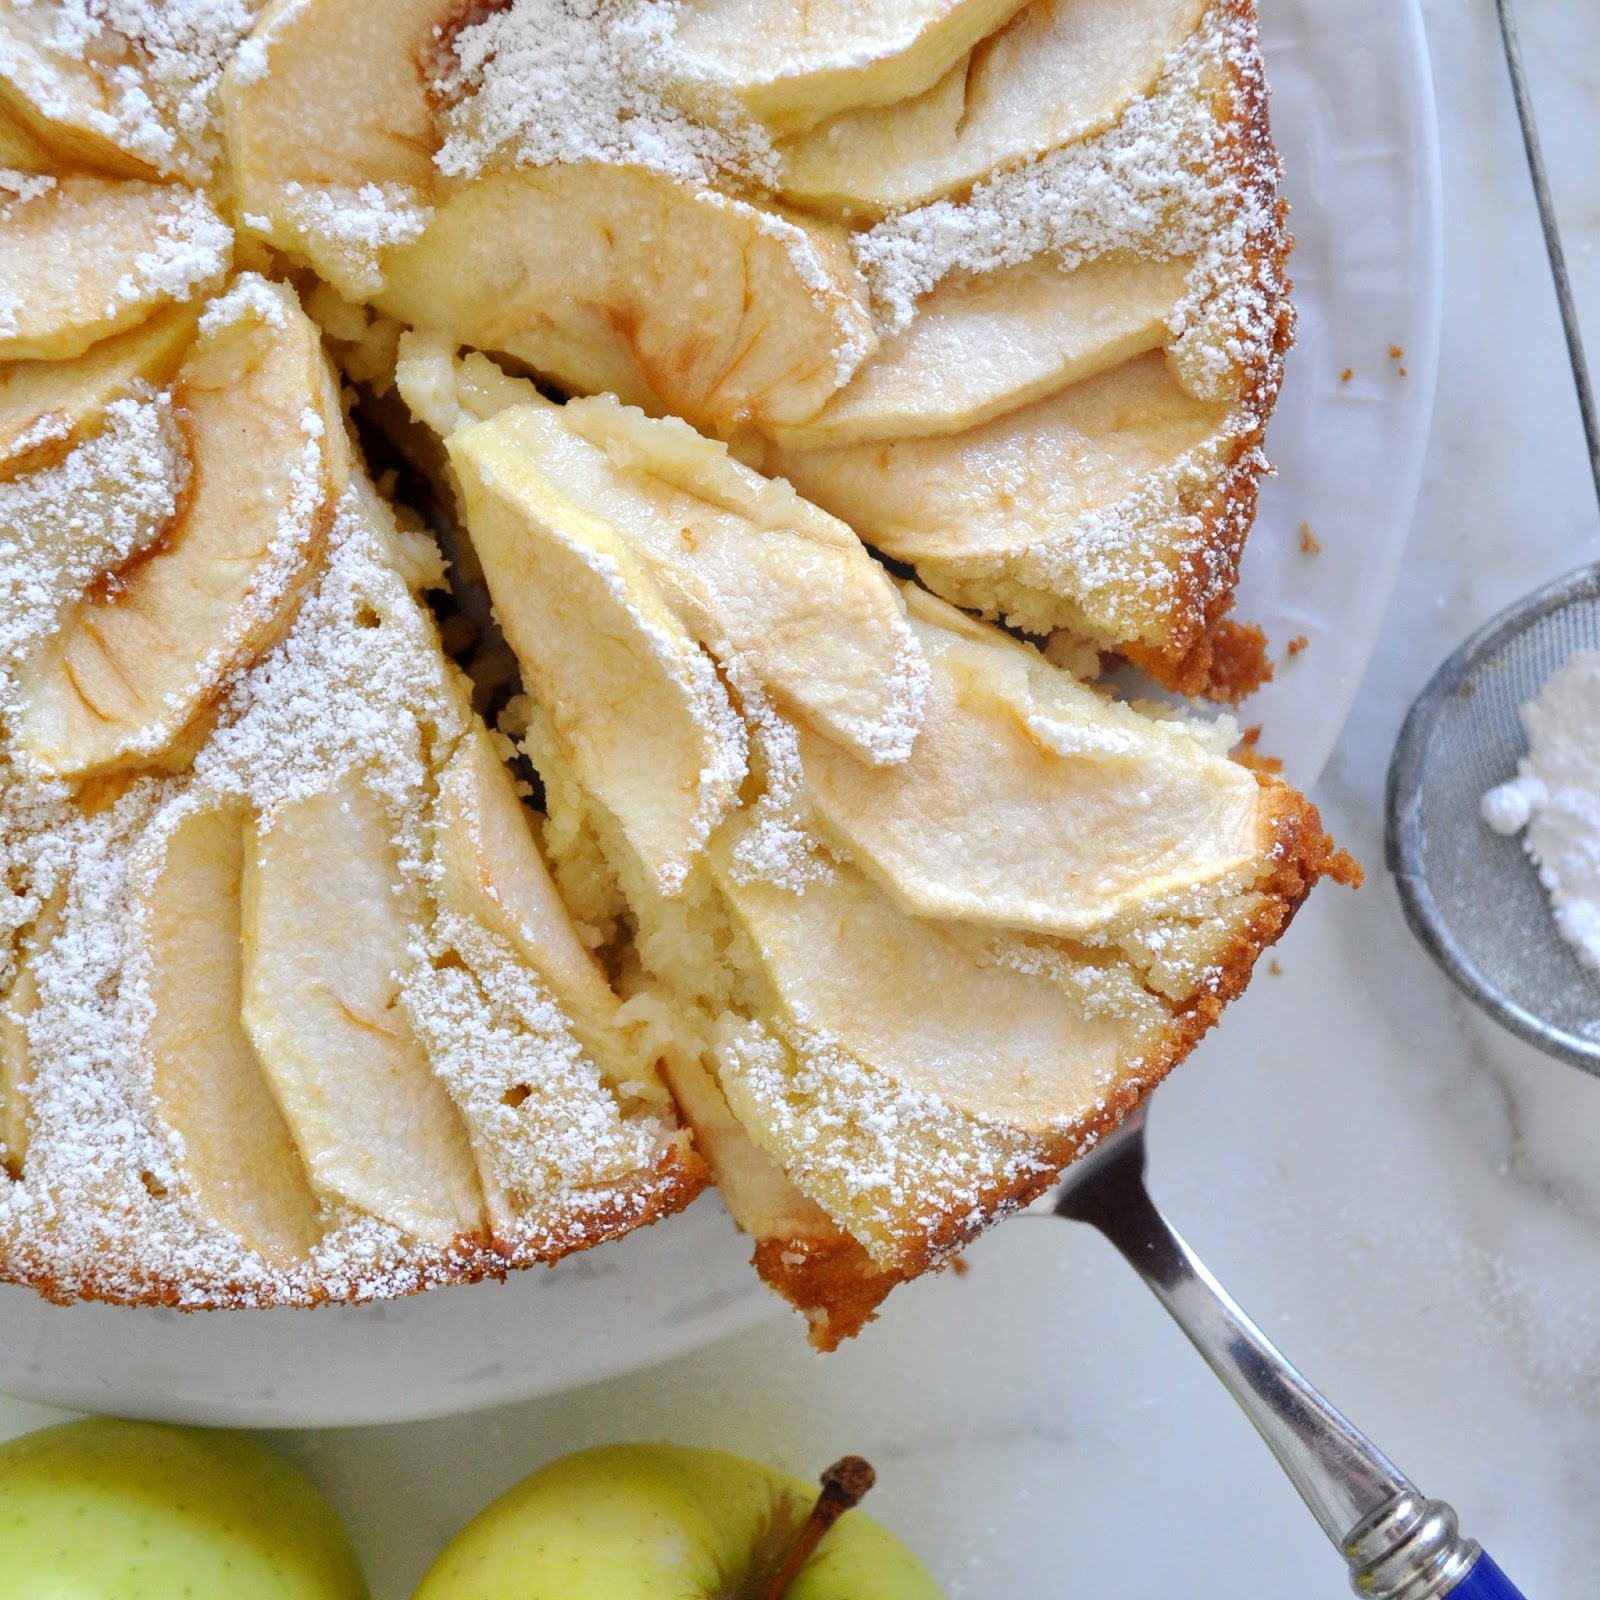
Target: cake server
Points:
(1398, 1544)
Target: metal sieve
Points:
(1472, 896)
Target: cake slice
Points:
(917, 972)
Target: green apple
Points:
(661, 1522)
(107, 1510)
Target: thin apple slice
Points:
(982, 346)
(633, 700)
(792, 66)
(621, 279)
(330, 131)
(766, 582)
(1031, 802)
(1060, 71)
(1021, 513)
(491, 870)
(89, 257)
(759, 1197)
(85, 103)
(16, 1050)
(139, 660)
(239, 1158)
(986, 1037)
(48, 407)
(326, 934)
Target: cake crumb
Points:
(1347, 374)
(1297, 644)
(1274, 968)
(1310, 544)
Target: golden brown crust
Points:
(1203, 656)
(678, 1177)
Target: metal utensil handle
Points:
(1552, 236)
(1399, 1545)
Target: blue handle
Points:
(1485, 1582)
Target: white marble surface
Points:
(1406, 1198)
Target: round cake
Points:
(555, 565)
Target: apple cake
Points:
(754, 367)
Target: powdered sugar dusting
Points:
(358, 684)
(62, 525)
(352, 227)
(1166, 181)
(142, 74)
(191, 252)
(548, 81)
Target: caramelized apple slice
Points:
(492, 871)
(47, 407)
(325, 944)
(1032, 802)
(634, 701)
(981, 346)
(240, 1160)
(1060, 71)
(792, 66)
(986, 1037)
(330, 131)
(1003, 515)
(16, 1051)
(621, 279)
(20, 149)
(765, 581)
(140, 659)
(90, 257)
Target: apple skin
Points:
(663, 1522)
(109, 1510)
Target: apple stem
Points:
(843, 1486)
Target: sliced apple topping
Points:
(140, 659)
(774, 588)
(492, 871)
(1060, 71)
(16, 1050)
(330, 131)
(984, 1036)
(980, 346)
(239, 1158)
(792, 66)
(621, 279)
(82, 104)
(47, 407)
(89, 257)
(633, 700)
(1078, 493)
(1032, 802)
(326, 934)
(754, 1188)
